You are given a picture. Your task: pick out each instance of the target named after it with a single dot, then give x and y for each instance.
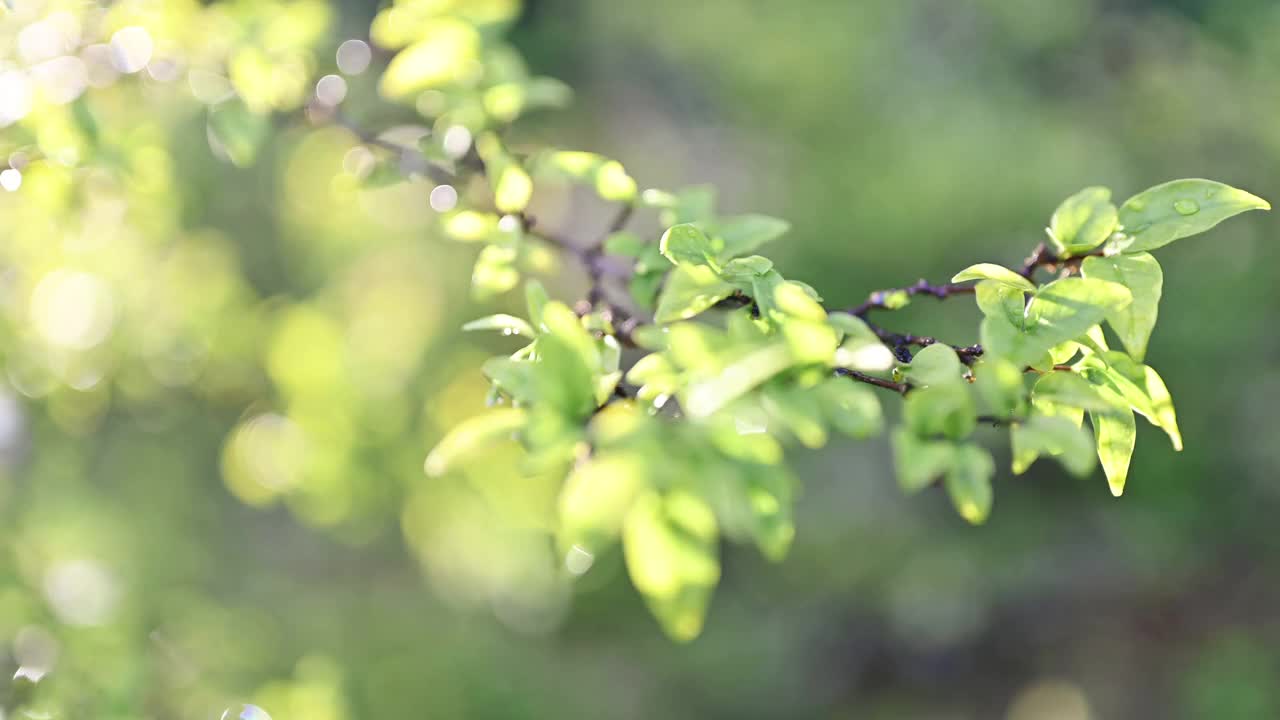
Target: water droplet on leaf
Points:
(1186, 206)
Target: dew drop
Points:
(1136, 205)
(1186, 206)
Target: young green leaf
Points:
(686, 245)
(1117, 435)
(1069, 389)
(568, 360)
(1142, 389)
(446, 49)
(473, 435)
(536, 299)
(513, 377)
(690, 290)
(512, 188)
(737, 236)
(799, 411)
(596, 498)
(1171, 211)
(769, 492)
(968, 482)
(1001, 386)
(1003, 301)
(1083, 221)
(941, 410)
(743, 271)
(614, 184)
(1060, 311)
(995, 273)
(494, 272)
(1069, 443)
(918, 461)
(707, 396)
(850, 408)
(671, 553)
(506, 324)
(1142, 275)
(937, 364)
(1162, 403)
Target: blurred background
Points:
(222, 369)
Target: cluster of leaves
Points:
(680, 442)
(742, 362)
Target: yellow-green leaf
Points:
(1171, 211)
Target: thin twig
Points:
(900, 388)
(879, 300)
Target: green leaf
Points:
(1069, 389)
(1003, 301)
(853, 327)
(744, 270)
(809, 341)
(446, 50)
(536, 299)
(1117, 435)
(596, 498)
(918, 461)
(513, 189)
(1142, 275)
(737, 236)
(707, 396)
(1000, 384)
(769, 492)
(969, 482)
(859, 349)
(568, 359)
(690, 290)
(1083, 221)
(1171, 211)
(236, 133)
(473, 435)
(794, 300)
(799, 411)
(572, 164)
(614, 184)
(644, 288)
(1060, 311)
(494, 272)
(1142, 389)
(851, 408)
(692, 204)
(1118, 373)
(1069, 443)
(513, 377)
(655, 377)
(686, 245)
(506, 324)
(994, 273)
(670, 545)
(945, 410)
(1162, 403)
(937, 364)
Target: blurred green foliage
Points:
(227, 336)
